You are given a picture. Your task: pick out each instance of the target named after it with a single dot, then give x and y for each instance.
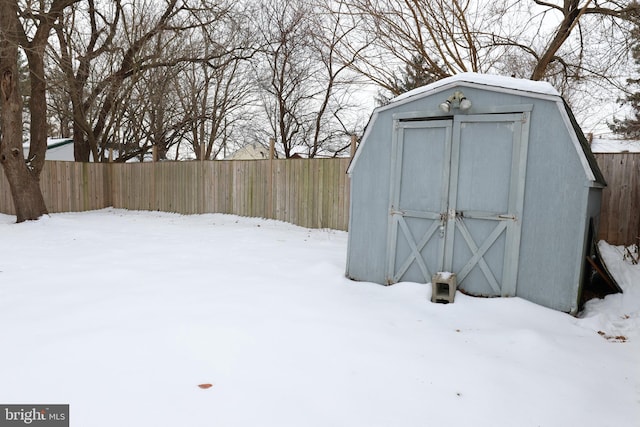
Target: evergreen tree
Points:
(629, 127)
(415, 74)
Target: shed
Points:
(487, 177)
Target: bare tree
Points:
(29, 28)
(305, 75)
(337, 52)
(572, 13)
(215, 95)
(566, 42)
(284, 71)
(123, 42)
(149, 118)
(76, 58)
(445, 36)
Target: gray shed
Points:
(487, 177)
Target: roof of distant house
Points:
(612, 145)
(52, 142)
(249, 152)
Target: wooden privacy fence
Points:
(620, 212)
(306, 192)
(67, 187)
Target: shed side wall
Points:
(556, 199)
(370, 180)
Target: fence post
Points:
(354, 141)
(270, 213)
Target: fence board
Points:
(634, 204)
(620, 212)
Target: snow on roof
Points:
(487, 80)
(52, 142)
(610, 145)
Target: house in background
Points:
(250, 152)
(611, 145)
(57, 149)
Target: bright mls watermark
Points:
(34, 415)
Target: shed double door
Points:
(457, 194)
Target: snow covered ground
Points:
(123, 315)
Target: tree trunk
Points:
(25, 187)
(37, 110)
(81, 150)
(572, 12)
(23, 182)
(562, 34)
